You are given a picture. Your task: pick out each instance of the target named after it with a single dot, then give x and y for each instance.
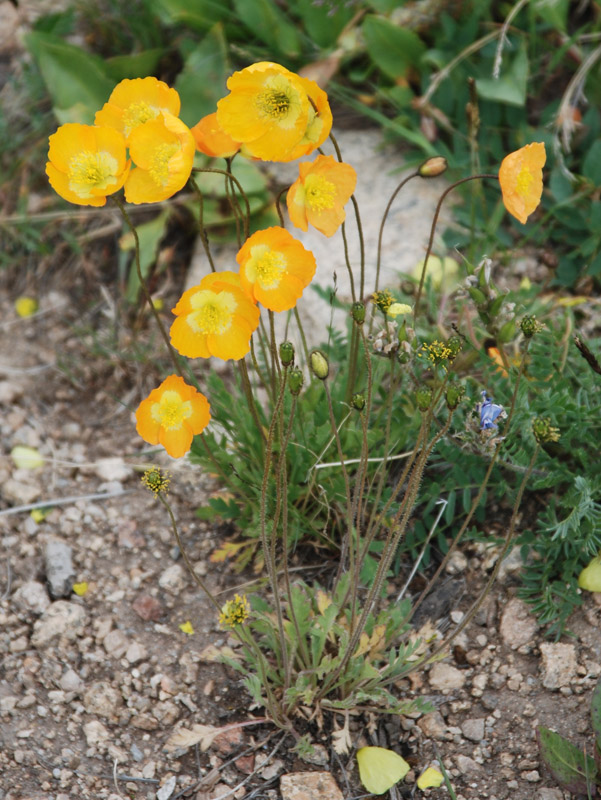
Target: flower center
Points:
(212, 312)
(319, 193)
(89, 170)
(137, 114)
(159, 168)
(265, 266)
(524, 182)
(171, 411)
(279, 102)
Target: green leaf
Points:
(200, 15)
(138, 65)
(323, 23)
(77, 81)
(510, 87)
(392, 48)
(596, 709)
(149, 235)
(553, 12)
(201, 83)
(574, 771)
(270, 25)
(591, 166)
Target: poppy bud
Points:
(358, 313)
(287, 354)
(295, 380)
(433, 167)
(423, 398)
(358, 401)
(319, 365)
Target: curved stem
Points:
(121, 206)
(433, 231)
(203, 233)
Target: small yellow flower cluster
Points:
(235, 612)
(156, 480)
(436, 352)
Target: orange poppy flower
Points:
(86, 163)
(215, 318)
(172, 415)
(163, 152)
(134, 102)
(212, 140)
(521, 179)
(275, 268)
(267, 109)
(317, 197)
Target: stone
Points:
(102, 700)
(473, 729)
(135, 652)
(545, 793)
(10, 390)
(518, 625)
(60, 619)
(173, 579)
(532, 777)
(71, 682)
(444, 677)
(95, 733)
(559, 664)
(59, 570)
(309, 786)
(112, 469)
(32, 596)
(148, 608)
(167, 789)
(433, 725)
(18, 492)
(511, 564)
(467, 765)
(115, 643)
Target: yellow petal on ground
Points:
(430, 778)
(590, 577)
(26, 457)
(26, 306)
(186, 627)
(80, 588)
(380, 769)
(39, 514)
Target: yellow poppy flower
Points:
(319, 123)
(134, 102)
(521, 179)
(172, 415)
(163, 152)
(275, 268)
(267, 109)
(215, 318)
(86, 163)
(212, 140)
(318, 196)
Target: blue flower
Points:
(489, 412)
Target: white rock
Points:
(136, 652)
(167, 789)
(444, 677)
(113, 469)
(518, 625)
(59, 568)
(61, 619)
(559, 664)
(309, 786)
(32, 596)
(467, 765)
(545, 793)
(19, 492)
(433, 725)
(511, 564)
(115, 643)
(173, 579)
(9, 392)
(95, 733)
(71, 682)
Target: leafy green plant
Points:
(573, 769)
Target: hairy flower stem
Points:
(172, 354)
(203, 231)
(433, 231)
(231, 177)
(301, 331)
(248, 393)
(381, 232)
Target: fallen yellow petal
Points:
(26, 306)
(590, 577)
(430, 778)
(186, 627)
(380, 769)
(80, 588)
(26, 457)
